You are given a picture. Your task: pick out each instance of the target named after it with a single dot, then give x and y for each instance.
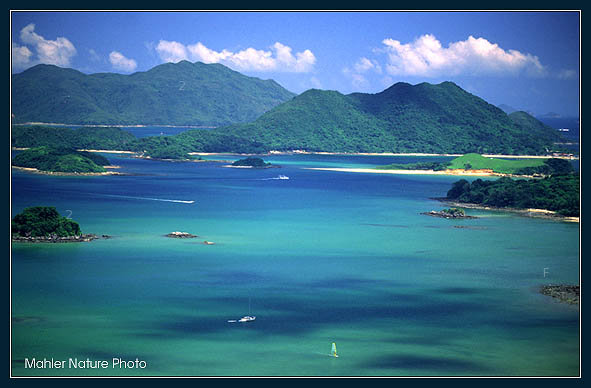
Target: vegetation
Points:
(454, 212)
(181, 93)
(41, 221)
(60, 160)
(426, 118)
(403, 118)
(81, 138)
(472, 161)
(504, 166)
(558, 193)
(551, 166)
(252, 162)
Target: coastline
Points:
(535, 213)
(301, 152)
(408, 172)
(58, 173)
(116, 125)
(297, 152)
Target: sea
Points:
(320, 258)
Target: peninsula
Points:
(61, 161)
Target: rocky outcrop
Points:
(54, 238)
(449, 213)
(564, 293)
(181, 235)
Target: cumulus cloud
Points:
(279, 58)
(120, 62)
(474, 56)
(21, 56)
(363, 65)
(56, 52)
(171, 51)
(359, 71)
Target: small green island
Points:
(252, 162)
(45, 224)
(56, 160)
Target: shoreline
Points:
(534, 213)
(116, 125)
(296, 152)
(299, 152)
(407, 172)
(59, 173)
(54, 239)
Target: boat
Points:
(246, 318)
(282, 177)
(333, 350)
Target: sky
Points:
(527, 60)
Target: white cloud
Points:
(568, 74)
(56, 52)
(357, 74)
(120, 62)
(279, 58)
(364, 64)
(21, 56)
(473, 56)
(171, 51)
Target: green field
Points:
(503, 166)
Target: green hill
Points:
(181, 93)
(557, 193)
(80, 138)
(426, 118)
(541, 166)
(60, 160)
(505, 166)
(43, 221)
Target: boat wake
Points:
(280, 177)
(149, 199)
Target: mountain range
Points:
(428, 118)
(182, 93)
(255, 116)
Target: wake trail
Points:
(148, 199)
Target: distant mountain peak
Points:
(181, 93)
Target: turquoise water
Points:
(323, 257)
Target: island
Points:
(556, 196)
(564, 293)
(453, 212)
(252, 162)
(62, 161)
(45, 224)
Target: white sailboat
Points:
(333, 350)
(248, 318)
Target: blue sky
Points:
(526, 60)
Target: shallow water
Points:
(323, 257)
